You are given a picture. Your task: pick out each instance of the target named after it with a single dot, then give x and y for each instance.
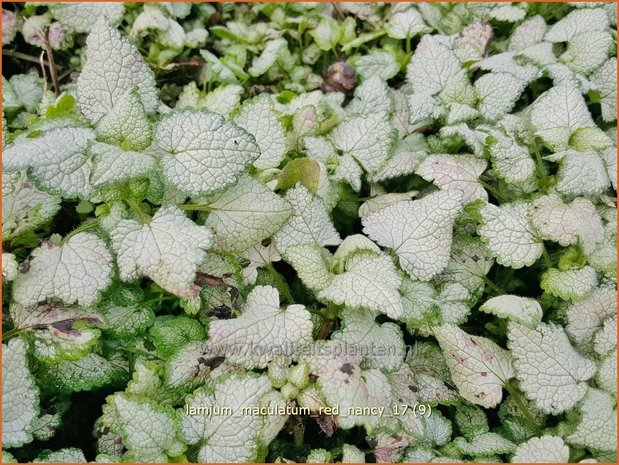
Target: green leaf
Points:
(300, 170)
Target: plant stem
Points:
(491, 285)
(158, 300)
(325, 329)
(24, 57)
(11, 333)
(280, 283)
(81, 228)
(523, 408)
(546, 257)
(541, 171)
(131, 361)
(193, 207)
(493, 191)
(408, 45)
(135, 208)
(52, 64)
(298, 433)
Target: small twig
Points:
(523, 408)
(325, 329)
(52, 65)
(338, 13)
(81, 228)
(25, 57)
(279, 281)
(6, 335)
(65, 74)
(135, 208)
(546, 257)
(490, 284)
(42, 63)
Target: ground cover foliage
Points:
(398, 217)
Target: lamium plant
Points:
(309, 232)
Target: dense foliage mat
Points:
(309, 232)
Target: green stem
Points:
(408, 45)
(157, 300)
(491, 285)
(315, 312)
(541, 171)
(546, 257)
(135, 208)
(493, 191)
(11, 333)
(131, 361)
(298, 433)
(281, 284)
(81, 228)
(193, 207)
(523, 408)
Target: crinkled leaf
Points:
(262, 331)
(258, 118)
(509, 235)
(372, 96)
(478, 366)
(419, 231)
(381, 345)
(569, 284)
(226, 438)
(485, 444)
(587, 51)
(585, 317)
(202, 152)
(20, 395)
(309, 224)
(455, 172)
(126, 123)
(58, 161)
(345, 384)
(21, 91)
(431, 66)
(65, 455)
(82, 18)
(597, 428)
(368, 139)
(498, 92)
(523, 310)
(543, 449)
(245, 214)
(114, 66)
(148, 430)
(567, 223)
(76, 271)
(557, 113)
(168, 250)
(85, 374)
(605, 81)
(24, 207)
(576, 22)
(113, 165)
(551, 372)
(582, 173)
(406, 24)
(377, 63)
(369, 282)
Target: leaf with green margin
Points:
(170, 334)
